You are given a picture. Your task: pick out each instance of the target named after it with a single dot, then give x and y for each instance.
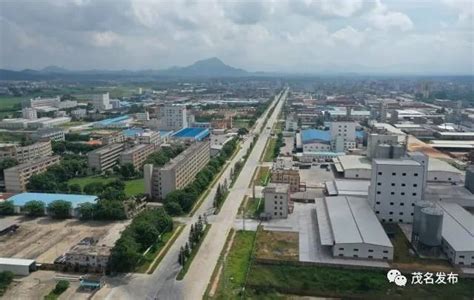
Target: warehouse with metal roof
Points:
(349, 226)
(17, 266)
(457, 234)
(355, 166)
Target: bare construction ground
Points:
(44, 239)
(277, 245)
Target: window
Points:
(403, 184)
(383, 220)
(379, 183)
(402, 193)
(357, 175)
(449, 179)
(394, 174)
(385, 251)
(275, 214)
(404, 174)
(393, 184)
(391, 203)
(378, 202)
(401, 213)
(414, 194)
(341, 249)
(370, 256)
(276, 207)
(341, 254)
(390, 220)
(281, 214)
(356, 250)
(281, 202)
(411, 214)
(377, 212)
(378, 192)
(392, 193)
(276, 197)
(461, 256)
(416, 174)
(415, 185)
(370, 250)
(390, 213)
(402, 204)
(436, 178)
(380, 173)
(276, 202)
(413, 204)
(400, 220)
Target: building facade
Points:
(101, 102)
(178, 173)
(343, 136)
(105, 157)
(173, 117)
(277, 200)
(17, 177)
(137, 155)
(53, 134)
(29, 113)
(26, 153)
(149, 137)
(396, 184)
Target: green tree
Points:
(173, 208)
(111, 193)
(60, 209)
(34, 208)
(60, 287)
(125, 254)
(75, 188)
(87, 211)
(7, 208)
(242, 131)
(44, 182)
(93, 188)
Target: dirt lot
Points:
(45, 239)
(277, 245)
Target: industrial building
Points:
(314, 140)
(350, 228)
(137, 155)
(17, 177)
(343, 136)
(277, 200)
(375, 139)
(347, 187)
(101, 102)
(177, 173)
(53, 134)
(105, 157)
(19, 200)
(354, 166)
(113, 137)
(26, 153)
(396, 184)
(283, 171)
(149, 137)
(192, 134)
(17, 266)
(41, 102)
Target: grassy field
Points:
(240, 123)
(132, 187)
(277, 245)
(263, 176)
(266, 280)
(9, 102)
(268, 155)
(149, 258)
(252, 208)
(194, 251)
(232, 278)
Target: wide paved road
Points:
(162, 284)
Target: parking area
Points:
(44, 239)
(315, 176)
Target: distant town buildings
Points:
(104, 158)
(173, 117)
(101, 102)
(137, 155)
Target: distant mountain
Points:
(212, 67)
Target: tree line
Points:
(196, 234)
(182, 200)
(145, 230)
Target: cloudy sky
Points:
(416, 36)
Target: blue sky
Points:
(385, 36)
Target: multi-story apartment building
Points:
(173, 117)
(53, 134)
(277, 200)
(41, 102)
(395, 186)
(26, 153)
(17, 177)
(105, 157)
(149, 137)
(343, 136)
(137, 155)
(113, 138)
(178, 173)
(91, 256)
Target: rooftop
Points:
(344, 187)
(458, 226)
(21, 199)
(353, 221)
(349, 162)
(397, 162)
(309, 135)
(107, 148)
(16, 261)
(192, 132)
(277, 188)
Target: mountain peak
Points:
(54, 69)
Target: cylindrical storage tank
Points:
(397, 151)
(419, 205)
(431, 226)
(382, 151)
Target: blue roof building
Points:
(315, 135)
(193, 133)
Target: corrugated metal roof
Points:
(353, 221)
(458, 227)
(16, 261)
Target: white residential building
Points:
(173, 117)
(396, 184)
(101, 102)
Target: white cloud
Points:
(350, 36)
(105, 39)
(384, 19)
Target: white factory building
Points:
(395, 186)
(17, 266)
(343, 136)
(349, 226)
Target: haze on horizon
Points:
(383, 36)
